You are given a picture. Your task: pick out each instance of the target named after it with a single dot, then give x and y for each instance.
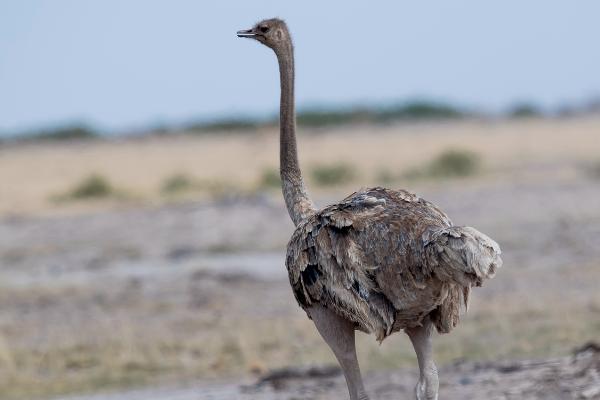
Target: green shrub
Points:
(181, 183)
(177, 183)
(333, 174)
(449, 164)
(217, 188)
(92, 187)
(454, 163)
(270, 178)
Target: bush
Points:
(449, 164)
(92, 187)
(177, 183)
(333, 174)
(270, 179)
(182, 184)
(453, 163)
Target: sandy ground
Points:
(572, 377)
(187, 293)
(191, 299)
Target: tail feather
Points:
(462, 255)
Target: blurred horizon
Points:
(127, 66)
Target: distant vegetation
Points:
(92, 187)
(182, 184)
(333, 174)
(177, 183)
(317, 117)
(524, 110)
(449, 164)
(405, 112)
(455, 163)
(326, 117)
(420, 110)
(226, 125)
(67, 132)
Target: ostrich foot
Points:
(427, 386)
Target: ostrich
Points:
(379, 261)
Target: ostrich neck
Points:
(298, 203)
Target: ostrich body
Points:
(379, 261)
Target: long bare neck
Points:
(298, 203)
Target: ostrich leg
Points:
(427, 387)
(339, 335)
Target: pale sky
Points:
(124, 64)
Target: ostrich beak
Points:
(248, 33)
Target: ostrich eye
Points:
(264, 29)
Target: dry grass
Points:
(31, 174)
(333, 174)
(72, 336)
(120, 336)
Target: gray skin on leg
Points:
(427, 387)
(339, 335)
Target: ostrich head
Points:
(272, 33)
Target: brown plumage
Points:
(385, 259)
(380, 260)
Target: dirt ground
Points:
(572, 377)
(190, 299)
